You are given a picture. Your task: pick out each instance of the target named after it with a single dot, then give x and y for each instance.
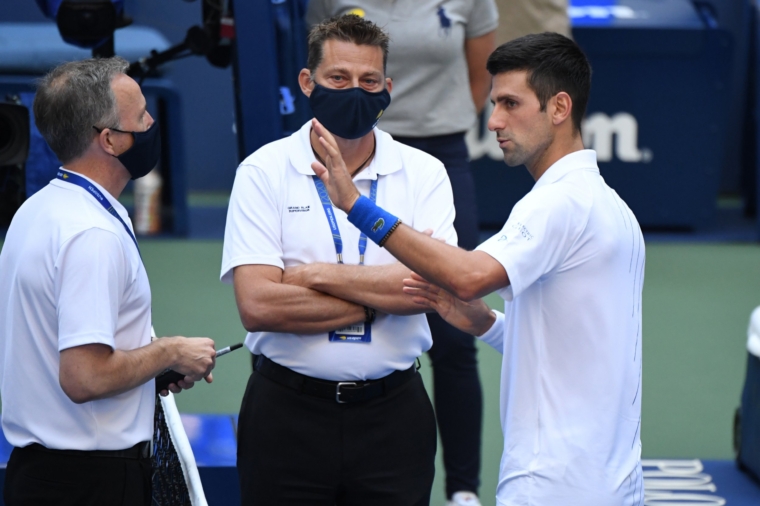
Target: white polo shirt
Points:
(276, 218)
(571, 339)
(70, 275)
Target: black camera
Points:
(14, 134)
(91, 23)
(14, 149)
(86, 21)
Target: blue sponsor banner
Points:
(630, 13)
(595, 12)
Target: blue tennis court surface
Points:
(213, 438)
(668, 482)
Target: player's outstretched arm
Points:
(467, 274)
(474, 318)
(96, 371)
(267, 304)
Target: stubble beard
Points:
(514, 157)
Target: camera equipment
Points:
(211, 40)
(87, 23)
(14, 134)
(91, 24)
(14, 149)
(197, 42)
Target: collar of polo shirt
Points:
(584, 159)
(387, 159)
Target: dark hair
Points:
(554, 63)
(348, 28)
(74, 97)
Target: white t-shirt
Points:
(571, 339)
(70, 275)
(276, 218)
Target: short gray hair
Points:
(74, 97)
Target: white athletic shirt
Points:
(571, 339)
(70, 275)
(276, 218)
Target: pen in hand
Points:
(168, 377)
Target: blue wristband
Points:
(373, 220)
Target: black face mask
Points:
(348, 113)
(144, 153)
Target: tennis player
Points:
(569, 264)
(75, 305)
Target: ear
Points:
(389, 84)
(105, 141)
(305, 82)
(563, 107)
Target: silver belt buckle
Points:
(337, 390)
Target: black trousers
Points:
(38, 477)
(299, 450)
(456, 386)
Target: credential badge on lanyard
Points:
(359, 332)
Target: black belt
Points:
(339, 391)
(138, 451)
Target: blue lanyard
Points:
(328, 207)
(72, 178)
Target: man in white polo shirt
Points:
(335, 412)
(569, 264)
(76, 356)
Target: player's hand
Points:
(474, 318)
(334, 174)
(184, 384)
(194, 357)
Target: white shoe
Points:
(464, 499)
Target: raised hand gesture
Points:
(334, 174)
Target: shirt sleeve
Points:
(254, 226)
(317, 11)
(494, 336)
(91, 276)
(434, 207)
(484, 18)
(536, 238)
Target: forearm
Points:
(463, 273)
(377, 286)
(479, 88)
(95, 372)
(297, 310)
(477, 51)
